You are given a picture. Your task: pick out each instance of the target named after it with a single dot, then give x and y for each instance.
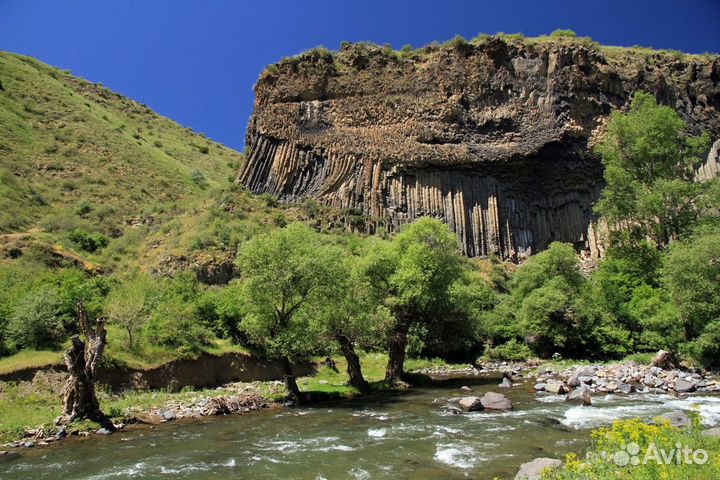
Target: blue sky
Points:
(196, 61)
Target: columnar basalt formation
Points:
(494, 138)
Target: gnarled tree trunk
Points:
(290, 382)
(396, 353)
(353, 363)
(79, 399)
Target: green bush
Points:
(512, 351)
(174, 324)
(36, 321)
(88, 241)
(705, 350)
(199, 179)
(563, 33)
(83, 208)
(221, 311)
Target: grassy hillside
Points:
(75, 156)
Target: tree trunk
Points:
(290, 382)
(354, 369)
(396, 354)
(79, 400)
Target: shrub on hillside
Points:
(36, 321)
(174, 324)
(563, 33)
(88, 241)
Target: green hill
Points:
(82, 167)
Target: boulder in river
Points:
(539, 387)
(684, 386)
(677, 418)
(506, 383)
(556, 387)
(495, 401)
(471, 404)
(465, 388)
(534, 469)
(580, 396)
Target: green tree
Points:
(131, 303)
(649, 160)
(415, 273)
(349, 312)
(174, 324)
(36, 321)
(284, 274)
(543, 290)
(692, 275)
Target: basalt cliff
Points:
(493, 137)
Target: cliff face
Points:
(493, 138)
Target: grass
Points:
(330, 383)
(29, 359)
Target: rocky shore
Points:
(624, 379)
(247, 399)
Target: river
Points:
(409, 435)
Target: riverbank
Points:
(28, 408)
(382, 434)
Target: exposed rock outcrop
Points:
(493, 138)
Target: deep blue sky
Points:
(196, 61)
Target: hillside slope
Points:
(77, 157)
(66, 140)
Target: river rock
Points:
(556, 387)
(574, 381)
(625, 388)
(677, 418)
(586, 379)
(533, 470)
(148, 418)
(711, 432)
(495, 401)
(684, 386)
(103, 431)
(539, 387)
(465, 388)
(169, 415)
(471, 404)
(506, 383)
(580, 396)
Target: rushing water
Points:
(410, 435)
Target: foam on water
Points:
(377, 432)
(455, 455)
(580, 417)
